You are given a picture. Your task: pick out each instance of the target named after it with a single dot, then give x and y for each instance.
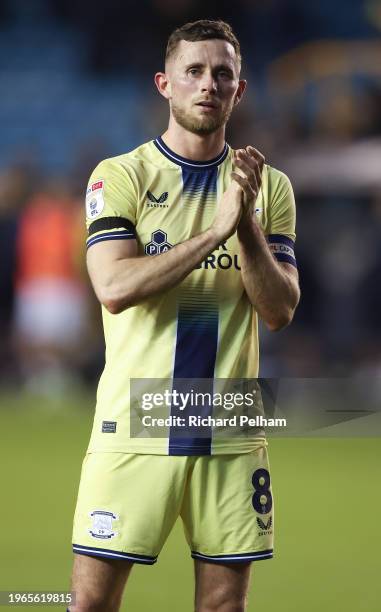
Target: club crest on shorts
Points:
(102, 524)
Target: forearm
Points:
(135, 278)
(273, 293)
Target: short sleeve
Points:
(280, 230)
(110, 203)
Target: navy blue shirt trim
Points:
(190, 163)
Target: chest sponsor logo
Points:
(155, 202)
(158, 244)
(220, 260)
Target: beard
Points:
(202, 126)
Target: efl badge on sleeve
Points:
(102, 524)
(94, 199)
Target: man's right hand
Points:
(229, 212)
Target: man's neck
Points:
(193, 146)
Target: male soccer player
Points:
(189, 241)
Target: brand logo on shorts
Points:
(266, 527)
(102, 524)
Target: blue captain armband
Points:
(110, 228)
(282, 247)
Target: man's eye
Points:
(193, 71)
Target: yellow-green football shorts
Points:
(128, 503)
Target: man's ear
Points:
(240, 91)
(163, 84)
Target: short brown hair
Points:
(203, 29)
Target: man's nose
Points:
(209, 83)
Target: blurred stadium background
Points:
(76, 87)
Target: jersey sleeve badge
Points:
(94, 199)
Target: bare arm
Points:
(122, 279)
(272, 287)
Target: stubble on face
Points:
(186, 92)
(202, 126)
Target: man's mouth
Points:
(206, 104)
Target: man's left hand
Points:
(248, 165)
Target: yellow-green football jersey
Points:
(205, 328)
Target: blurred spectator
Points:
(16, 185)
(51, 301)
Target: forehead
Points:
(208, 52)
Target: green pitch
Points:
(328, 500)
